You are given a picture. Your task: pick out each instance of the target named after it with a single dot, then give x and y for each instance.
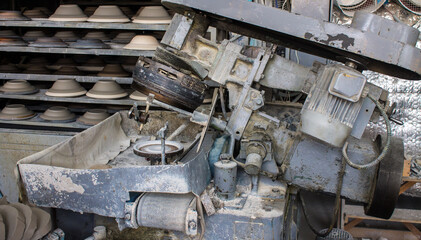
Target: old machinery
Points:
(243, 172)
(305, 146)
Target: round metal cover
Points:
(168, 85)
(152, 149)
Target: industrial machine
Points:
(241, 177)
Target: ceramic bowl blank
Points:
(60, 63)
(93, 116)
(97, 35)
(31, 36)
(18, 87)
(142, 42)
(8, 34)
(12, 16)
(58, 114)
(136, 95)
(35, 15)
(36, 69)
(108, 13)
(66, 36)
(68, 13)
(9, 68)
(48, 42)
(113, 70)
(45, 10)
(106, 89)
(92, 65)
(89, 44)
(16, 112)
(12, 42)
(153, 15)
(68, 70)
(66, 88)
(124, 37)
(33, 61)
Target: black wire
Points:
(337, 203)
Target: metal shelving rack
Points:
(40, 96)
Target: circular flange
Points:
(387, 183)
(168, 85)
(152, 149)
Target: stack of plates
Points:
(106, 89)
(66, 88)
(152, 15)
(16, 112)
(142, 42)
(58, 114)
(93, 116)
(12, 16)
(113, 70)
(68, 13)
(48, 42)
(18, 87)
(108, 13)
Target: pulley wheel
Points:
(168, 85)
(387, 183)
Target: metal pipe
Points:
(171, 108)
(163, 151)
(177, 132)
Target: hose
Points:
(385, 149)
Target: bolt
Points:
(253, 95)
(127, 216)
(262, 76)
(192, 225)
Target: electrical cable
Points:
(337, 204)
(385, 149)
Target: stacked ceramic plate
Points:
(34, 61)
(121, 40)
(66, 36)
(58, 114)
(32, 36)
(89, 44)
(16, 112)
(18, 87)
(12, 42)
(106, 89)
(142, 42)
(349, 7)
(9, 68)
(12, 16)
(152, 15)
(48, 42)
(97, 35)
(108, 13)
(36, 15)
(66, 88)
(113, 70)
(61, 63)
(68, 13)
(8, 34)
(93, 116)
(68, 70)
(92, 65)
(36, 69)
